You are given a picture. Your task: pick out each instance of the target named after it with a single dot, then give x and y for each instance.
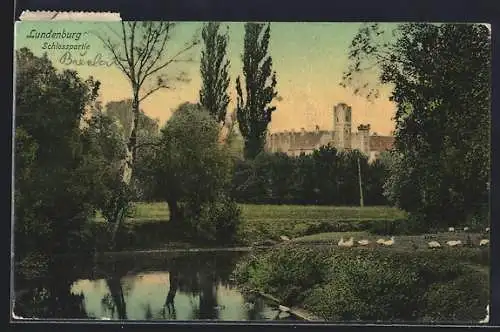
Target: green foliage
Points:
(326, 177)
(254, 113)
(452, 301)
(440, 74)
(285, 273)
(197, 166)
(214, 72)
(370, 285)
(191, 171)
(105, 149)
(407, 226)
(217, 222)
(53, 192)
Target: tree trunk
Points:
(128, 165)
(175, 213)
(253, 146)
(133, 134)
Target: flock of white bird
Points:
(432, 244)
(350, 242)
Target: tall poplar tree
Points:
(214, 71)
(254, 110)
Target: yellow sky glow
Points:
(309, 59)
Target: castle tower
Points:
(342, 126)
(364, 138)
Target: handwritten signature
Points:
(69, 59)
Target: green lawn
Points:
(283, 213)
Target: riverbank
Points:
(354, 284)
(148, 226)
(311, 281)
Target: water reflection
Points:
(182, 287)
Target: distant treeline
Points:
(325, 177)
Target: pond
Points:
(166, 286)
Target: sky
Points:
(309, 59)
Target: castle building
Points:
(294, 143)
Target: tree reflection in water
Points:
(115, 300)
(209, 308)
(50, 297)
(196, 276)
(174, 285)
(254, 311)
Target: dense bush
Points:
(57, 175)
(375, 226)
(325, 177)
(394, 227)
(374, 285)
(217, 222)
(285, 273)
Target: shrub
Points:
(227, 219)
(374, 285)
(216, 222)
(408, 226)
(284, 272)
(464, 298)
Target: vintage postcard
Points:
(258, 171)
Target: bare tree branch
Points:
(118, 60)
(151, 71)
(150, 92)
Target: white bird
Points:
(284, 238)
(380, 241)
(348, 243)
(454, 243)
(341, 241)
(451, 229)
(363, 242)
(487, 229)
(466, 229)
(487, 318)
(283, 308)
(434, 244)
(389, 242)
(484, 242)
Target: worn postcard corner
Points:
(48, 15)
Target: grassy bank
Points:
(148, 226)
(374, 284)
(406, 242)
(269, 222)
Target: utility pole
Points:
(361, 200)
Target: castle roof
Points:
(381, 143)
(305, 140)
